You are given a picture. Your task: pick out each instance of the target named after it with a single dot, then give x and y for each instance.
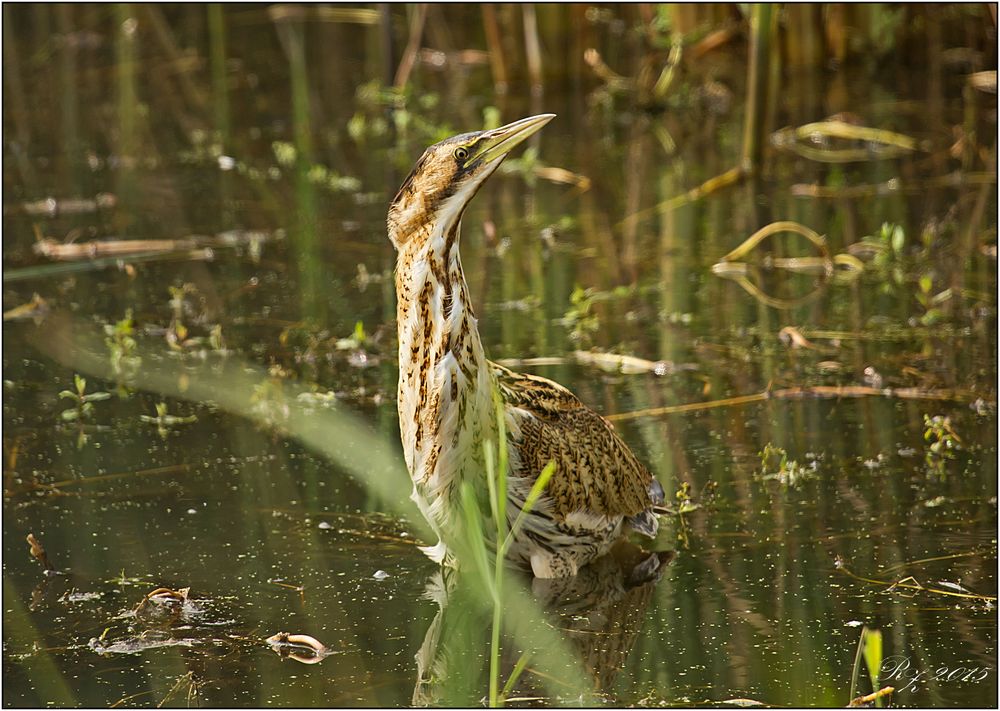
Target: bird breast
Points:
(444, 397)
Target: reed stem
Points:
(495, 49)
(217, 57)
(417, 21)
(761, 30)
(533, 49)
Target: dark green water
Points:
(292, 480)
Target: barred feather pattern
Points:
(598, 488)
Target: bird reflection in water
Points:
(600, 612)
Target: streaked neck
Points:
(444, 384)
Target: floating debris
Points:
(820, 391)
(955, 179)
(873, 378)
(984, 81)
(751, 242)
(861, 700)
(38, 552)
(137, 645)
(841, 267)
(300, 589)
(76, 596)
(561, 175)
(36, 309)
(53, 207)
(364, 278)
(953, 586)
(611, 362)
(625, 364)
(380, 575)
(162, 600)
(909, 583)
(300, 647)
(791, 336)
(818, 141)
(167, 596)
(105, 247)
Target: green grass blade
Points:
(491, 478)
(501, 512)
(529, 502)
(857, 665)
(495, 649)
(474, 540)
(873, 659)
(515, 674)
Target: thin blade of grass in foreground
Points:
(491, 478)
(475, 541)
(857, 662)
(529, 503)
(501, 519)
(515, 674)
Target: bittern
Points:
(447, 386)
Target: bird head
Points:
(447, 176)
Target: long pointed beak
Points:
(501, 141)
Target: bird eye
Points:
(461, 153)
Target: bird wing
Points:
(596, 473)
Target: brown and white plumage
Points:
(446, 385)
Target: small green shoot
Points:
(121, 345)
(930, 301)
(355, 340)
(901, 265)
(684, 506)
(580, 318)
(582, 323)
(177, 334)
(942, 443)
(165, 421)
(775, 464)
(83, 401)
